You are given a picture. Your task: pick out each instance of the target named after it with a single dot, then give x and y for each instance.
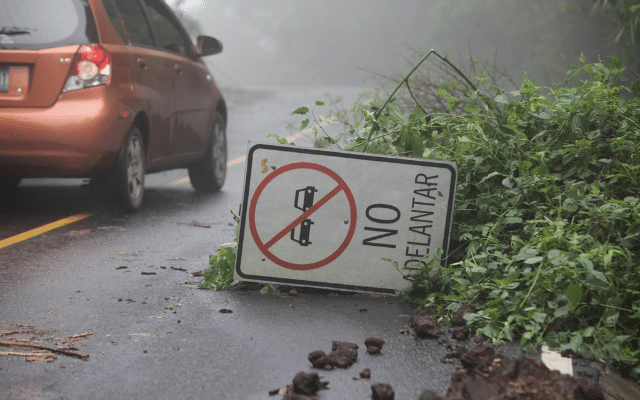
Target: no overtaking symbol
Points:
(266, 246)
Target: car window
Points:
(168, 35)
(135, 22)
(38, 24)
(115, 19)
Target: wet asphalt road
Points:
(157, 336)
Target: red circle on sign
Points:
(264, 247)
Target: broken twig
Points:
(51, 349)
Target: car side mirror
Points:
(207, 45)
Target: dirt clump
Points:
(458, 317)
(423, 324)
(455, 351)
(489, 375)
(382, 391)
(365, 374)
(307, 383)
(429, 395)
(297, 396)
(459, 332)
(343, 355)
(374, 345)
(335, 345)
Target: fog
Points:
(337, 42)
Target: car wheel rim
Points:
(219, 153)
(135, 169)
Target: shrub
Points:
(547, 206)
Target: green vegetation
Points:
(218, 274)
(627, 12)
(547, 206)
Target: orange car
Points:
(109, 90)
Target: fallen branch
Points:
(31, 357)
(79, 335)
(51, 349)
(19, 353)
(194, 223)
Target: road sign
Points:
(321, 218)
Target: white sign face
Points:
(322, 218)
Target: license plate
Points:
(4, 79)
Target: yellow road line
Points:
(179, 182)
(235, 161)
(45, 228)
(186, 178)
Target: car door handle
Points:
(177, 68)
(142, 62)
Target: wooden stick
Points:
(79, 335)
(18, 353)
(51, 349)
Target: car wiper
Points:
(14, 30)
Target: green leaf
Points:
(539, 317)
(301, 110)
(525, 337)
(533, 260)
(636, 87)
(588, 332)
(319, 103)
(491, 175)
(574, 293)
(562, 311)
(507, 182)
(576, 341)
(501, 98)
(509, 279)
(611, 318)
(588, 265)
(304, 124)
(396, 114)
(270, 288)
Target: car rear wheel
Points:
(208, 174)
(126, 183)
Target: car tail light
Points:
(91, 67)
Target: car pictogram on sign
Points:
(305, 226)
(305, 232)
(307, 202)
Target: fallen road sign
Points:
(327, 219)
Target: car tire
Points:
(208, 174)
(125, 184)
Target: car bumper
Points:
(80, 135)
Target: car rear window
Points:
(38, 24)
